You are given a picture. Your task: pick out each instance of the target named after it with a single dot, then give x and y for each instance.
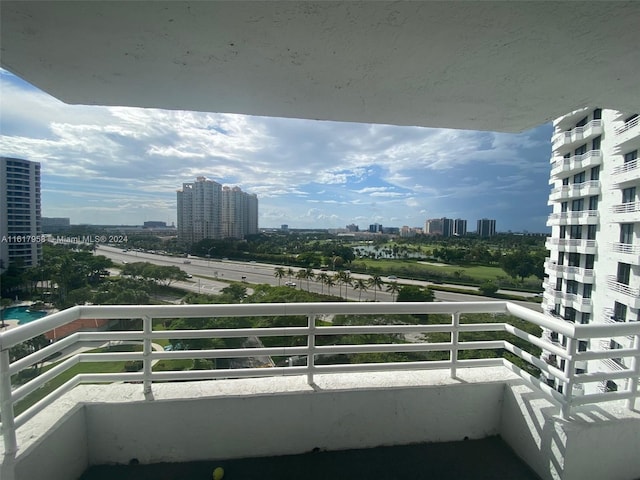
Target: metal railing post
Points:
(569, 372)
(455, 320)
(6, 406)
(147, 348)
(635, 369)
(311, 345)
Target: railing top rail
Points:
(14, 336)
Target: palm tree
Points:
(393, 288)
(290, 272)
(279, 273)
(310, 276)
(301, 275)
(330, 283)
(322, 278)
(376, 283)
(360, 285)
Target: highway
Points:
(206, 271)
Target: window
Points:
(595, 143)
(628, 119)
(572, 287)
(593, 202)
(582, 149)
(560, 258)
(587, 289)
(591, 232)
(583, 345)
(578, 178)
(577, 205)
(629, 195)
(595, 173)
(575, 231)
(565, 181)
(558, 284)
(564, 206)
(586, 318)
(574, 259)
(631, 156)
(597, 114)
(589, 261)
(619, 312)
(624, 273)
(563, 231)
(582, 122)
(570, 315)
(626, 233)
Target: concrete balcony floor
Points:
(489, 458)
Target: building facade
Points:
(593, 268)
(459, 227)
(20, 213)
(486, 227)
(208, 210)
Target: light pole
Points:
(209, 256)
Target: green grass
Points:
(85, 367)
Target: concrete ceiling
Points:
(502, 66)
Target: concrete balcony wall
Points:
(283, 415)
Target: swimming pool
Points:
(22, 314)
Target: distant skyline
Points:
(121, 165)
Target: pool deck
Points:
(12, 323)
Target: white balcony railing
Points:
(616, 286)
(590, 216)
(626, 167)
(591, 187)
(630, 207)
(626, 248)
(571, 242)
(576, 162)
(628, 125)
(311, 349)
(594, 127)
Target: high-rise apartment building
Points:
(459, 227)
(207, 210)
(441, 226)
(20, 213)
(593, 268)
(486, 227)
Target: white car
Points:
(290, 284)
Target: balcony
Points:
(575, 163)
(626, 252)
(624, 293)
(578, 217)
(626, 173)
(146, 416)
(571, 245)
(582, 275)
(626, 212)
(628, 133)
(577, 302)
(567, 139)
(575, 190)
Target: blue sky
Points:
(118, 165)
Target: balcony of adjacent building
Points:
(574, 217)
(628, 134)
(573, 245)
(569, 272)
(625, 252)
(565, 140)
(626, 212)
(623, 293)
(626, 174)
(574, 163)
(575, 190)
(148, 415)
